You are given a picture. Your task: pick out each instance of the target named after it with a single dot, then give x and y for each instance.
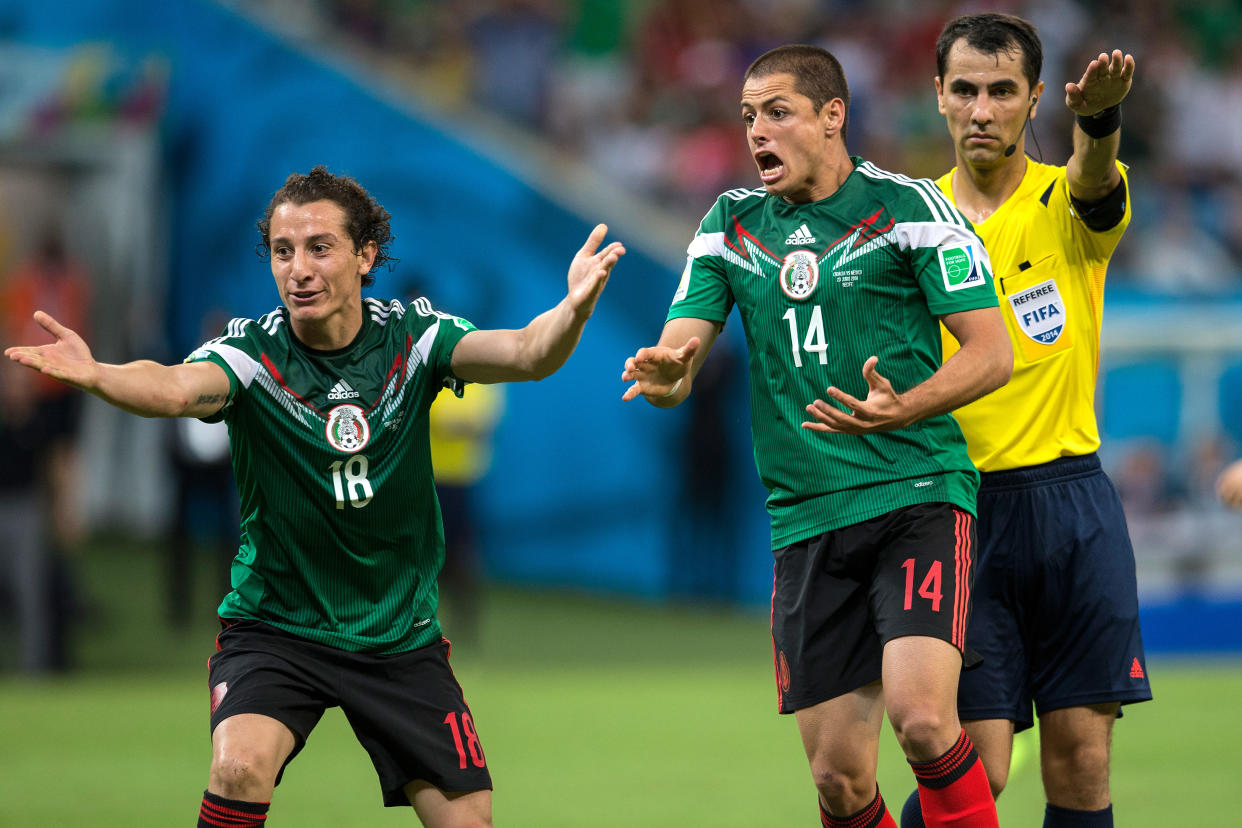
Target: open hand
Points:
(588, 272)
(658, 372)
(1105, 83)
(68, 359)
(881, 411)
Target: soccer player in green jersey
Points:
(841, 273)
(1056, 616)
(334, 586)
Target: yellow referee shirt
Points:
(1049, 268)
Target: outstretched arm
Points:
(543, 346)
(664, 373)
(1092, 169)
(145, 388)
(984, 363)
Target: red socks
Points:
(874, 815)
(953, 789)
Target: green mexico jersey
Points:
(820, 288)
(341, 534)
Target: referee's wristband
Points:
(1101, 124)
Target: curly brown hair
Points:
(365, 219)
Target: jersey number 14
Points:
(814, 342)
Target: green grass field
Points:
(592, 712)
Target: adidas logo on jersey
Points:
(800, 236)
(342, 391)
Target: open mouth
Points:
(770, 167)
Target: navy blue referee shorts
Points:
(1055, 613)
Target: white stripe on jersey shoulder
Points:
(272, 321)
(242, 364)
(380, 310)
(423, 346)
(741, 193)
(706, 244)
(941, 207)
(911, 235)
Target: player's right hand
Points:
(68, 359)
(659, 372)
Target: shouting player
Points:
(841, 273)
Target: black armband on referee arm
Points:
(1104, 214)
(1101, 124)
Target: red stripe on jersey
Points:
(271, 369)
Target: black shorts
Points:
(840, 597)
(406, 709)
(1056, 599)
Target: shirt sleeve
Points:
(436, 335)
(948, 259)
(704, 291)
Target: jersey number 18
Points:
(350, 476)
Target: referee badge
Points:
(347, 429)
(1040, 312)
(799, 274)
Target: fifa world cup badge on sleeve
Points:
(960, 268)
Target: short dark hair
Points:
(365, 219)
(991, 34)
(817, 74)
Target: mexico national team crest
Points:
(799, 274)
(1040, 312)
(348, 430)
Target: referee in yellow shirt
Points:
(1056, 607)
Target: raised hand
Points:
(881, 411)
(588, 272)
(658, 372)
(68, 359)
(1105, 83)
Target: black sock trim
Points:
(944, 770)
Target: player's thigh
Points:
(920, 692)
(409, 713)
(823, 636)
(265, 685)
(1074, 754)
(449, 809)
(923, 574)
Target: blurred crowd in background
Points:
(646, 93)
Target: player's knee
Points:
(1081, 763)
(837, 784)
(925, 732)
(242, 776)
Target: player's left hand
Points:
(883, 410)
(1105, 83)
(588, 272)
